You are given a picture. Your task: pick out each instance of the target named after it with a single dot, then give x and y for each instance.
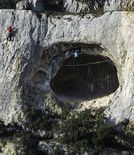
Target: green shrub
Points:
(86, 129)
(79, 131)
(37, 119)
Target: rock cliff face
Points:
(112, 5)
(43, 44)
(38, 42)
(77, 6)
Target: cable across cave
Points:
(84, 77)
(90, 63)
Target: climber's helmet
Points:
(10, 29)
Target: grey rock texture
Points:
(26, 62)
(23, 5)
(77, 6)
(72, 6)
(120, 5)
(35, 5)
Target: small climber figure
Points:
(76, 54)
(10, 33)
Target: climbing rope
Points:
(86, 64)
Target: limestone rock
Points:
(114, 5)
(23, 5)
(52, 146)
(25, 70)
(30, 62)
(76, 6)
(35, 5)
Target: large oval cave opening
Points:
(85, 77)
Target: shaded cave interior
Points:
(84, 78)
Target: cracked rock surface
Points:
(25, 56)
(44, 66)
(77, 6)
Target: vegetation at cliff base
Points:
(79, 132)
(86, 129)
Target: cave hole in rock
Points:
(85, 77)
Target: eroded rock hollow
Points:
(85, 77)
(33, 64)
(66, 57)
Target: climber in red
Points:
(10, 33)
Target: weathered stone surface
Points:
(23, 5)
(25, 68)
(32, 59)
(35, 5)
(120, 5)
(72, 6)
(83, 6)
(77, 6)
(38, 51)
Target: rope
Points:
(86, 64)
